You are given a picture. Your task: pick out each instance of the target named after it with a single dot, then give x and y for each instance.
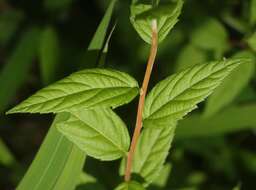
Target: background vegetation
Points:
(42, 41)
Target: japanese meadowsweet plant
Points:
(86, 100)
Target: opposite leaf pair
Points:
(87, 96)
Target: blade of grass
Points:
(59, 163)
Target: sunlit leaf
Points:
(171, 99)
(232, 85)
(84, 89)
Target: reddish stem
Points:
(143, 91)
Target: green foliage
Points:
(151, 152)
(229, 120)
(130, 186)
(177, 95)
(86, 126)
(205, 36)
(6, 157)
(84, 89)
(49, 55)
(253, 12)
(18, 64)
(252, 41)
(57, 164)
(98, 132)
(232, 85)
(189, 56)
(166, 15)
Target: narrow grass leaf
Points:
(57, 164)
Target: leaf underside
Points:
(98, 132)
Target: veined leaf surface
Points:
(177, 95)
(84, 89)
(98, 132)
(232, 85)
(151, 152)
(166, 14)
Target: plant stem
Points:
(143, 91)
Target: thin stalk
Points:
(143, 91)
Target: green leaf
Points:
(151, 152)
(98, 132)
(211, 35)
(190, 56)
(253, 12)
(18, 65)
(84, 89)
(173, 98)
(166, 14)
(163, 176)
(252, 41)
(132, 185)
(229, 120)
(49, 55)
(6, 157)
(232, 85)
(57, 164)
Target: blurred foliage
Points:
(42, 41)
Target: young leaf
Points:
(132, 185)
(171, 99)
(166, 14)
(88, 182)
(151, 152)
(48, 55)
(229, 120)
(98, 132)
(232, 85)
(57, 164)
(84, 89)
(18, 64)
